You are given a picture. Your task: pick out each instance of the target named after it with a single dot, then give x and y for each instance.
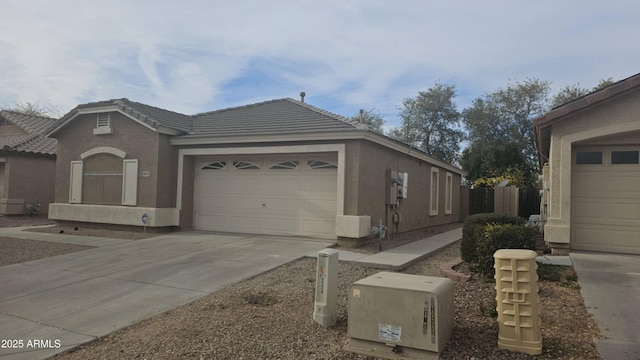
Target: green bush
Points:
(501, 236)
(473, 231)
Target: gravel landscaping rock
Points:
(270, 317)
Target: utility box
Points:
(400, 316)
(518, 301)
(326, 297)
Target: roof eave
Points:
(356, 134)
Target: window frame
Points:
(435, 192)
(448, 202)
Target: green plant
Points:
(501, 236)
(548, 272)
(473, 231)
(489, 309)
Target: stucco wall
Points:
(365, 190)
(29, 178)
(617, 117)
(136, 140)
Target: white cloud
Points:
(194, 56)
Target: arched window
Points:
(104, 177)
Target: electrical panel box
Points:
(391, 197)
(400, 316)
(403, 182)
(397, 183)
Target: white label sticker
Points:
(389, 332)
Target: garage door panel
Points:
(315, 206)
(588, 209)
(229, 222)
(274, 204)
(627, 185)
(281, 225)
(589, 235)
(292, 201)
(625, 239)
(620, 211)
(283, 184)
(320, 183)
(605, 211)
(319, 227)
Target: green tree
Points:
(498, 161)
(567, 94)
(371, 119)
(572, 92)
(603, 84)
(430, 122)
(504, 117)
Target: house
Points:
(280, 167)
(589, 149)
(27, 163)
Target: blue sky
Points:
(197, 56)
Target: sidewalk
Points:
(400, 257)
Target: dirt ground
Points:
(269, 317)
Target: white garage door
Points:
(605, 211)
(291, 195)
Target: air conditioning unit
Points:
(400, 316)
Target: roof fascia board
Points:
(323, 136)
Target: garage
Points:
(606, 199)
(274, 195)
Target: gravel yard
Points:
(270, 317)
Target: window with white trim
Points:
(435, 190)
(448, 202)
(104, 179)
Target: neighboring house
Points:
(27, 162)
(279, 167)
(590, 149)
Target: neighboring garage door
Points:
(605, 212)
(284, 195)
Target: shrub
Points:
(501, 236)
(473, 231)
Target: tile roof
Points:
(278, 116)
(33, 141)
(150, 115)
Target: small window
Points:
(285, 165)
(589, 158)
(319, 164)
(625, 157)
(244, 165)
(217, 165)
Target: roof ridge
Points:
(231, 108)
(325, 112)
(151, 106)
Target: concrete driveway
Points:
(53, 304)
(610, 286)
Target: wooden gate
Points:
(481, 201)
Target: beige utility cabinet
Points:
(518, 301)
(400, 316)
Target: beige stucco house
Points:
(590, 149)
(280, 167)
(27, 163)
